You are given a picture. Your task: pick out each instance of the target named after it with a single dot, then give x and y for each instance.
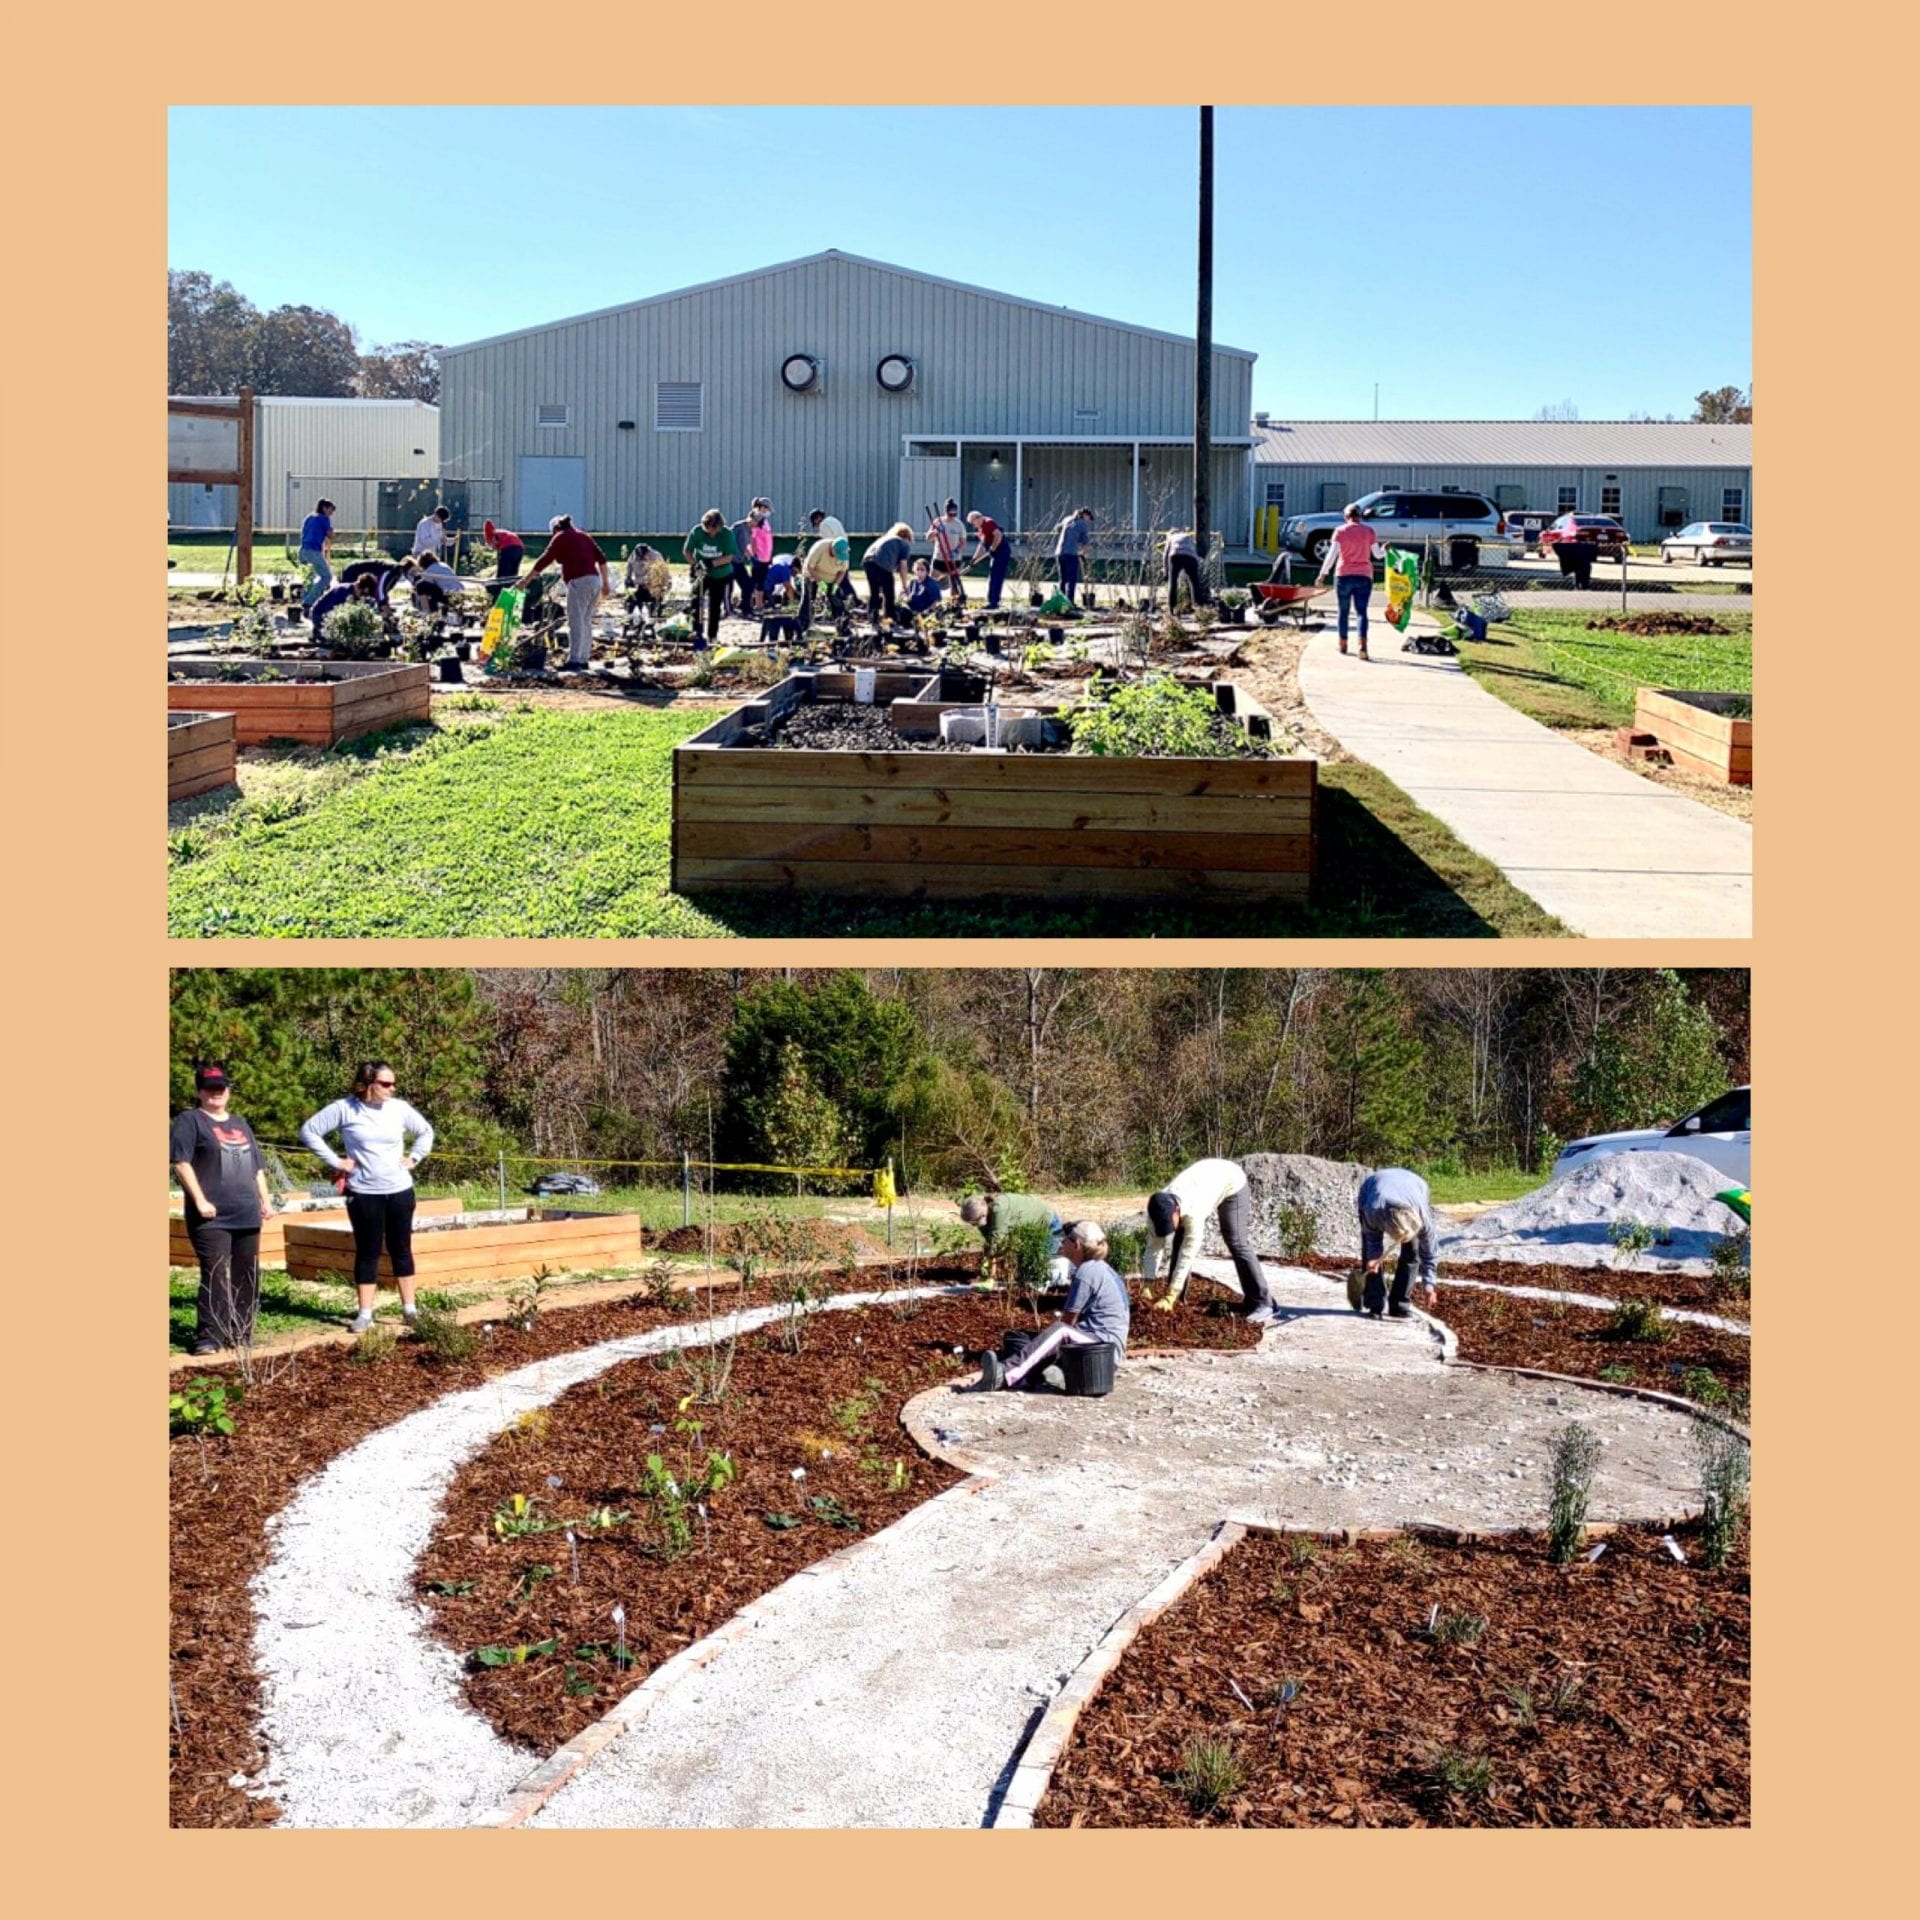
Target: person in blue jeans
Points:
(990, 543)
(316, 551)
(1076, 535)
(1350, 557)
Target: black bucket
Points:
(1088, 1371)
(451, 673)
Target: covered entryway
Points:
(547, 484)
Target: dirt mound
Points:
(820, 1239)
(1327, 1189)
(1570, 1222)
(1652, 625)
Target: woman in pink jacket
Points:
(1350, 558)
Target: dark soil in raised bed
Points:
(316, 1406)
(832, 1411)
(1604, 1694)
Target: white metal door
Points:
(926, 480)
(550, 484)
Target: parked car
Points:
(1458, 522)
(1720, 1133)
(1710, 543)
(1600, 530)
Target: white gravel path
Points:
(363, 1719)
(896, 1689)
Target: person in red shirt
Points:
(1350, 557)
(510, 553)
(990, 544)
(584, 569)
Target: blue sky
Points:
(1413, 246)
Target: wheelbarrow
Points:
(1284, 602)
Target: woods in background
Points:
(1009, 1077)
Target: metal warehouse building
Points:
(843, 383)
(1652, 474)
(304, 447)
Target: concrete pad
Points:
(1610, 854)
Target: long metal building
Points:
(303, 447)
(839, 382)
(1652, 474)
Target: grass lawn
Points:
(520, 822)
(1489, 1183)
(1553, 668)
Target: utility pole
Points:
(1203, 352)
(1376, 399)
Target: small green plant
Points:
(354, 631)
(1724, 1480)
(1210, 1772)
(781, 1522)
(450, 1589)
(1704, 1385)
(1460, 1773)
(514, 1656)
(528, 1429)
(660, 1287)
(1298, 1230)
(374, 1347)
(524, 1296)
(1407, 1552)
(1576, 1453)
(519, 1515)
(1639, 1320)
(1732, 1267)
(1526, 1713)
(1154, 716)
(444, 1338)
(852, 1414)
(1563, 1697)
(1023, 1254)
(205, 1405)
(1616, 1375)
(531, 1579)
(677, 1493)
(1630, 1238)
(827, 1509)
(1301, 1550)
(1126, 1248)
(1456, 1629)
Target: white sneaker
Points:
(363, 1320)
(1261, 1317)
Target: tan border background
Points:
(85, 132)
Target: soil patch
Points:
(1717, 794)
(829, 1414)
(1605, 1694)
(1652, 625)
(820, 1238)
(1701, 1292)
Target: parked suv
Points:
(1456, 523)
(1720, 1133)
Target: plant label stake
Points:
(573, 1555)
(620, 1628)
(1674, 1547)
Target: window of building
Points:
(1277, 494)
(679, 406)
(1733, 504)
(552, 413)
(1673, 507)
(1569, 500)
(1610, 501)
(1507, 499)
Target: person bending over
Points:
(1177, 1222)
(1396, 1223)
(997, 1214)
(1096, 1313)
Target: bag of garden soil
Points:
(503, 622)
(1403, 581)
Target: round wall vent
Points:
(895, 373)
(799, 373)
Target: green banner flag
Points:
(1403, 582)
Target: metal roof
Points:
(853, 259)
(1501, 443)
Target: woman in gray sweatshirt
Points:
(385, 1139)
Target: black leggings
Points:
(1183, 566)
(880, 594)
(713, 594)
(229, 1283)
(381, 1219)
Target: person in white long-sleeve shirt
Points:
(1177, 1219)
(385, 1139)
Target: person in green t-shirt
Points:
(710, 551)
(997, 1214)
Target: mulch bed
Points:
(831, 1411)
(323, 1402)
(1635, 1672)
(1703, 1292)
(1652, 625)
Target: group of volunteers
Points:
(1395, 1213)
(223, 1181)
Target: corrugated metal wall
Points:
(985, 366)
(327, 438)
(1639, 487)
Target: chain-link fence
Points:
(375, 514)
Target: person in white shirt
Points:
(430, 535)
(434, 584)
(385, 1139)
(1177, 1222)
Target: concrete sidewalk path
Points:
(896, 1686)
(1612, 855)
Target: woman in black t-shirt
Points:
(217, 1162)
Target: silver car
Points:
(1457, 524)
(1720, 1133)
(1710, 543)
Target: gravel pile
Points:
(1570, 1222)
(1327, 1189)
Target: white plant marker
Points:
(1674, 1547)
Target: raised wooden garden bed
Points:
(273, 1232)
(1710, 733)
(316, 702)
(199, 752)
(953, 825)
(459, 1249)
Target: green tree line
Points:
(1003, 1076)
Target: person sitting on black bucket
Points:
(1177, 1220)
(1096, 1313)
(1396, 1223)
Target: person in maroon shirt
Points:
(583, 567)
(990, 544)
(510, 553)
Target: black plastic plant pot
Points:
(451, 672)
(993, 643)
(463, 649)
(536, 659)
(1056, 634)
